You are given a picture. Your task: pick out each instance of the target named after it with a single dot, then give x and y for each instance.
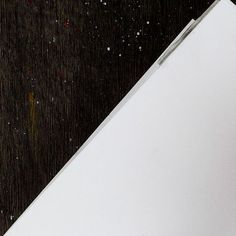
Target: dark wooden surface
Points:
(64, 66)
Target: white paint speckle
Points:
(11, 217)
(148, 22)
(108, 49)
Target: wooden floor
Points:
(65, 64)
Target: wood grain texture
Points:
(64, 66)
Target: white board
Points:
(164, 162)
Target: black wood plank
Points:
(65, 64)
